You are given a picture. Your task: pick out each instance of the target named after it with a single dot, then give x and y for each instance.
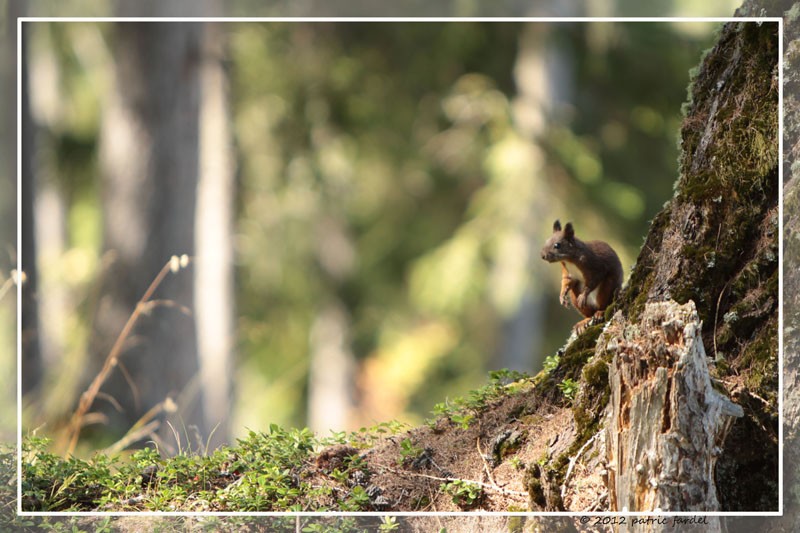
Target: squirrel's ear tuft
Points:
(569, 232)
(556, 226)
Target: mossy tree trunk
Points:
(716, 244)
(663, 418)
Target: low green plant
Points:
(365, 436)
(388, 523)
(462, 410)
(357, 500)
(463, 493)
(551, 363)
(408, 451)
(568, 387)
(463, 420)
(50, 483)
(272, 471)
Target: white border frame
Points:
(627, 514)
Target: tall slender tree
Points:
(213, 270)
(31, 354)
(149, 157)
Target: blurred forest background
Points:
(363, 205)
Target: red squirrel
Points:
(599, 267)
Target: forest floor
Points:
(492, 450)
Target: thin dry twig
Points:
(14, 279)
(88, 397)
(485, 463)
(572, 462)
(143, 427)
(131, 384)
(133, 435)
(595, 505)
(501, 490)
(716, 317)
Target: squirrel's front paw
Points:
(564, 299)
(581, 326)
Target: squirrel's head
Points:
(561, 244)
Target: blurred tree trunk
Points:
(31, 352)
(541, 83)
(45, 195)
(332, 360)
(149, 158)
(8, 135)
(332, 370)
(332, 365)
(8, 212)
(213, 237)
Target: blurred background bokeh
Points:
(364, 205)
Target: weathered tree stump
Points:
(667, 422)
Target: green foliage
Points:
(463, 420)
(357, 500)
(264, 472)
(52, 484)
(9, 520)
(392, 184)
(271, 464)
(340, 525)
(462, 410)
(408, 451)
(569, 387)
(388, 523)
(551, 363)
(364, 437)
(464, 493)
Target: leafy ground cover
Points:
(387, 467)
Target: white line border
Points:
(401, 19)
(19, 267)
(779, 20)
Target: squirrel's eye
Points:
(557, 245)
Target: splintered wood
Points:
(667, 423)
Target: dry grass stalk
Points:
(87, 398)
